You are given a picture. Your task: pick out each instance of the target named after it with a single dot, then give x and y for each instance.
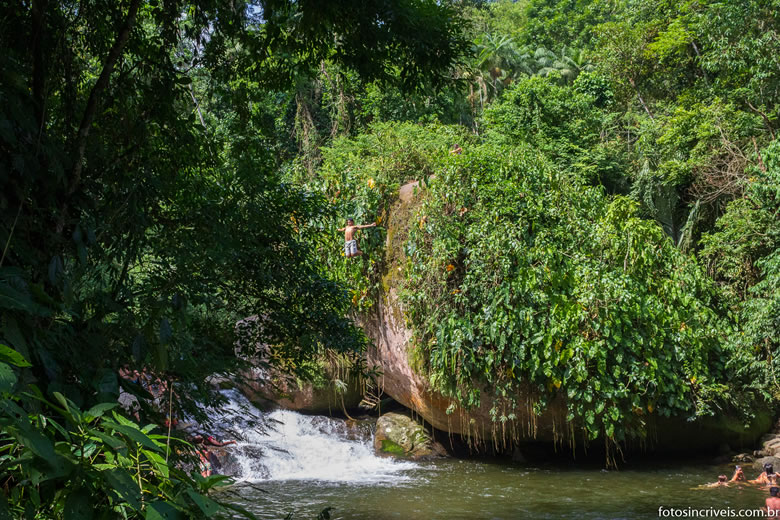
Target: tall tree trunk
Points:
(639, 95)
(38, 71)
(698, 55)
(92, 105)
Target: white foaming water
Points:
(292, 446)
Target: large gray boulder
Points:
(393, 353)
(758, 464)
(770, 445)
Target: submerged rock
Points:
(401, 436)
(360, 429)
(224, 461)
(742, 457)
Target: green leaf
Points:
(54, 424)
(162, 511)
(5, 513)
(12, 357)
(55, 468)
(157, 461)
(98, 410)
(36, 442)
(124, 486)
(208, 506)
(89, 450)
(135, 434)
(69, 409)
(78, 506)
(7, 378)
(61, 399)
(123, 420)
(214, 480)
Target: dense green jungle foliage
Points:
(144, 214)
(610, 233)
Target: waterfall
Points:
(286, 445)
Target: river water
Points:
(306, 463)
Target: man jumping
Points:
(350, 244)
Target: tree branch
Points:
(93, 102)
(38, 72)
(758, 153)
(633, 84)
(765, 118)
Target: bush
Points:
(57, 460)
(361, 177)
(744, 256)
(518, 274)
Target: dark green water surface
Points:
(468, 489)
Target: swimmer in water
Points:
(773, 503)
(722, 481)
(763, 478)
(739, 475)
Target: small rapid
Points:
(286, 445)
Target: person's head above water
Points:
(774, 490)
(722, 478)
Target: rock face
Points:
(769, 452)
(224, 462)
(758, 465)
(275, 391)
(401, 436)
(392, 353)
(770, 445)
(269, 388)
(392, 348)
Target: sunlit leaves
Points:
(557, 287)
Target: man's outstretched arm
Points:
(341, 229)
(364, 226)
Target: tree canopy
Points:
(170, 168)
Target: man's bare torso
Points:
(773, 507)
(349, 233)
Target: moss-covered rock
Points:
(401, 436)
